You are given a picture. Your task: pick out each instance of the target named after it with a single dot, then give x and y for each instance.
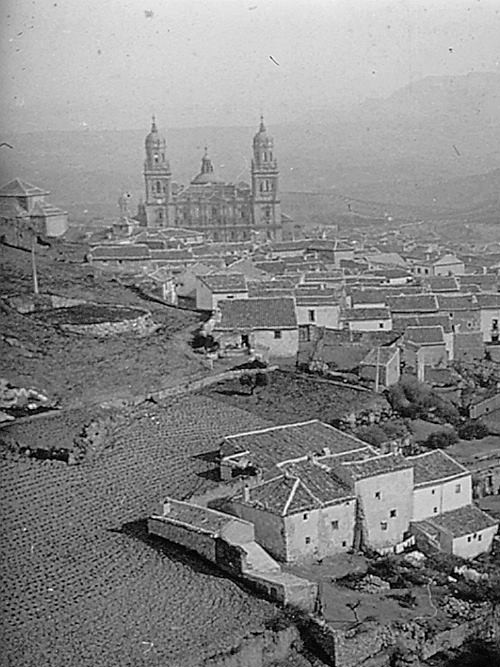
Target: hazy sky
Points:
(110, 63)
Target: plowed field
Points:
(79, 590)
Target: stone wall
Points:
(139, 326)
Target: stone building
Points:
(222, 211)
(24, 206)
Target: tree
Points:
(473, 430)
(441, 439)
(254, 381)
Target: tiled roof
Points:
(490, 301)
(463, 521)
(413, 303)
(447, 259)
(256, 291)
(287, 246)
(319, 480)
(364, 314)
(424, 335)
(378, 465)
(10, 208)
(368, 296)
(439, 319)
(198, 517)
(272, 267)
(324, 276)
(448, 302)
(391, 258)
(442, 283)
(258, 313)
(271, 446)
(323, 297)
(19, 188)
(434, 466)
(121, 252)
(221, 283)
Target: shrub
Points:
(473, 430)
(254, 381)
(441, 440)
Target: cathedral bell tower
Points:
(266, 204)
(157, 177)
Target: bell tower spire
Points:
(266, 203)
(157, 178)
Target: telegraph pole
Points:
(377, 379)
(33, 265)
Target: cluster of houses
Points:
(302, 492)
(322, 295)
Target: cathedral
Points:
(223, 211)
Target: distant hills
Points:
(431, 148)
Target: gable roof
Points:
(413, 303)
(278, 444)
(257, 313)
(457, 302)
(435, 466)
(196, 516)
(371, 296)
(442, 283)
(221, 283)
(462, 521)
(377, 465)
(19, 188)
(424, 335)
(488, 301)
(438, 319)
(366, 314)
(447, 259)
(391, 258)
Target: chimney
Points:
(167, 506)
(246, 493)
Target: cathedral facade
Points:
(223, 211)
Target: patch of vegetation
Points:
(441, 440)
(414, 399)
(473, 429)
(253, 382)
(378, 434)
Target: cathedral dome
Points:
(206, 174)
(261, 138)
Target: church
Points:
(225, 212)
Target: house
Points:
(441, 484)
(330, 251)
(466, 532)
(124, 257)
(187, 280)
(302, 513)
(382, 366)
(393, 275)
(316, 308)
(367, 319)
(448, 265)
(22, 202)
(385, 260)
(283, 249)
(463, 310)
(368, 298)
(213, 288)
(424, 346)
(489, 316)
(383, 486)
(482, 458)
(408, 305)
(327, 279)
(434, 320)
(312, 491)
(468, 346)
(267, 324)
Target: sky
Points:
(110, 64)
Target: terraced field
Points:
(79, 589)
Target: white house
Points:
(489, 308)
(213, 288)
(448, 265)
(316, 308)
(367, 319)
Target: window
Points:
(383, 525)
(435, 510)
(308, 540)
(377, 495)
(305, 516)
(312, 315)
(433, 491)
(277, 334)
(469, 539)
(380, 325)
(479, 538)
(458, 488)
(344, 543)
(475, 535)
(335, 525)
(393, 513)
